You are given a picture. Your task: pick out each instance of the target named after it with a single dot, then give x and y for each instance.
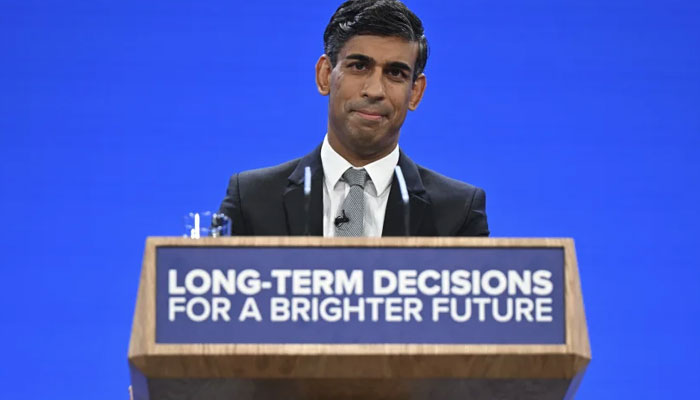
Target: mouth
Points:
(369, 115)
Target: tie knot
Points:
(356, 177)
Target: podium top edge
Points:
(317, 241)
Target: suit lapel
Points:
(419, 203)
(294, 197)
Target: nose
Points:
(373, 88)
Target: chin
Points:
(364, 136)
(369, 142)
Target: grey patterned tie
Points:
(354, 204)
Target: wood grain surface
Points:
(359, 362)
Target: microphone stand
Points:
(307, 199)
(404, 200)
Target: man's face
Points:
(370, 89)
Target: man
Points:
(372, 72)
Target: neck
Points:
(358, 159)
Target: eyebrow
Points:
(360, 57)
(400, 65)
(369, 60)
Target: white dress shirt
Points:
(377, 189)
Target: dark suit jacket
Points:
(270, 201)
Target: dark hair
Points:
(375, 17)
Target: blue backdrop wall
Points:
(579, 118)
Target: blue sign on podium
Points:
(360, 295)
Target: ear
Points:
(323, 75)
(417, 92)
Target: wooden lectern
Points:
(219, 359)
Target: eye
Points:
(396, 73)
(358, 66)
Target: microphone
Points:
(307, 199)
(340, 220)
(404, 200)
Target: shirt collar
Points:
(380, 172)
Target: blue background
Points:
(579, 118)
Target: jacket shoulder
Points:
(254, 198)
(265, 176)
(459, 208)
(437, 184)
